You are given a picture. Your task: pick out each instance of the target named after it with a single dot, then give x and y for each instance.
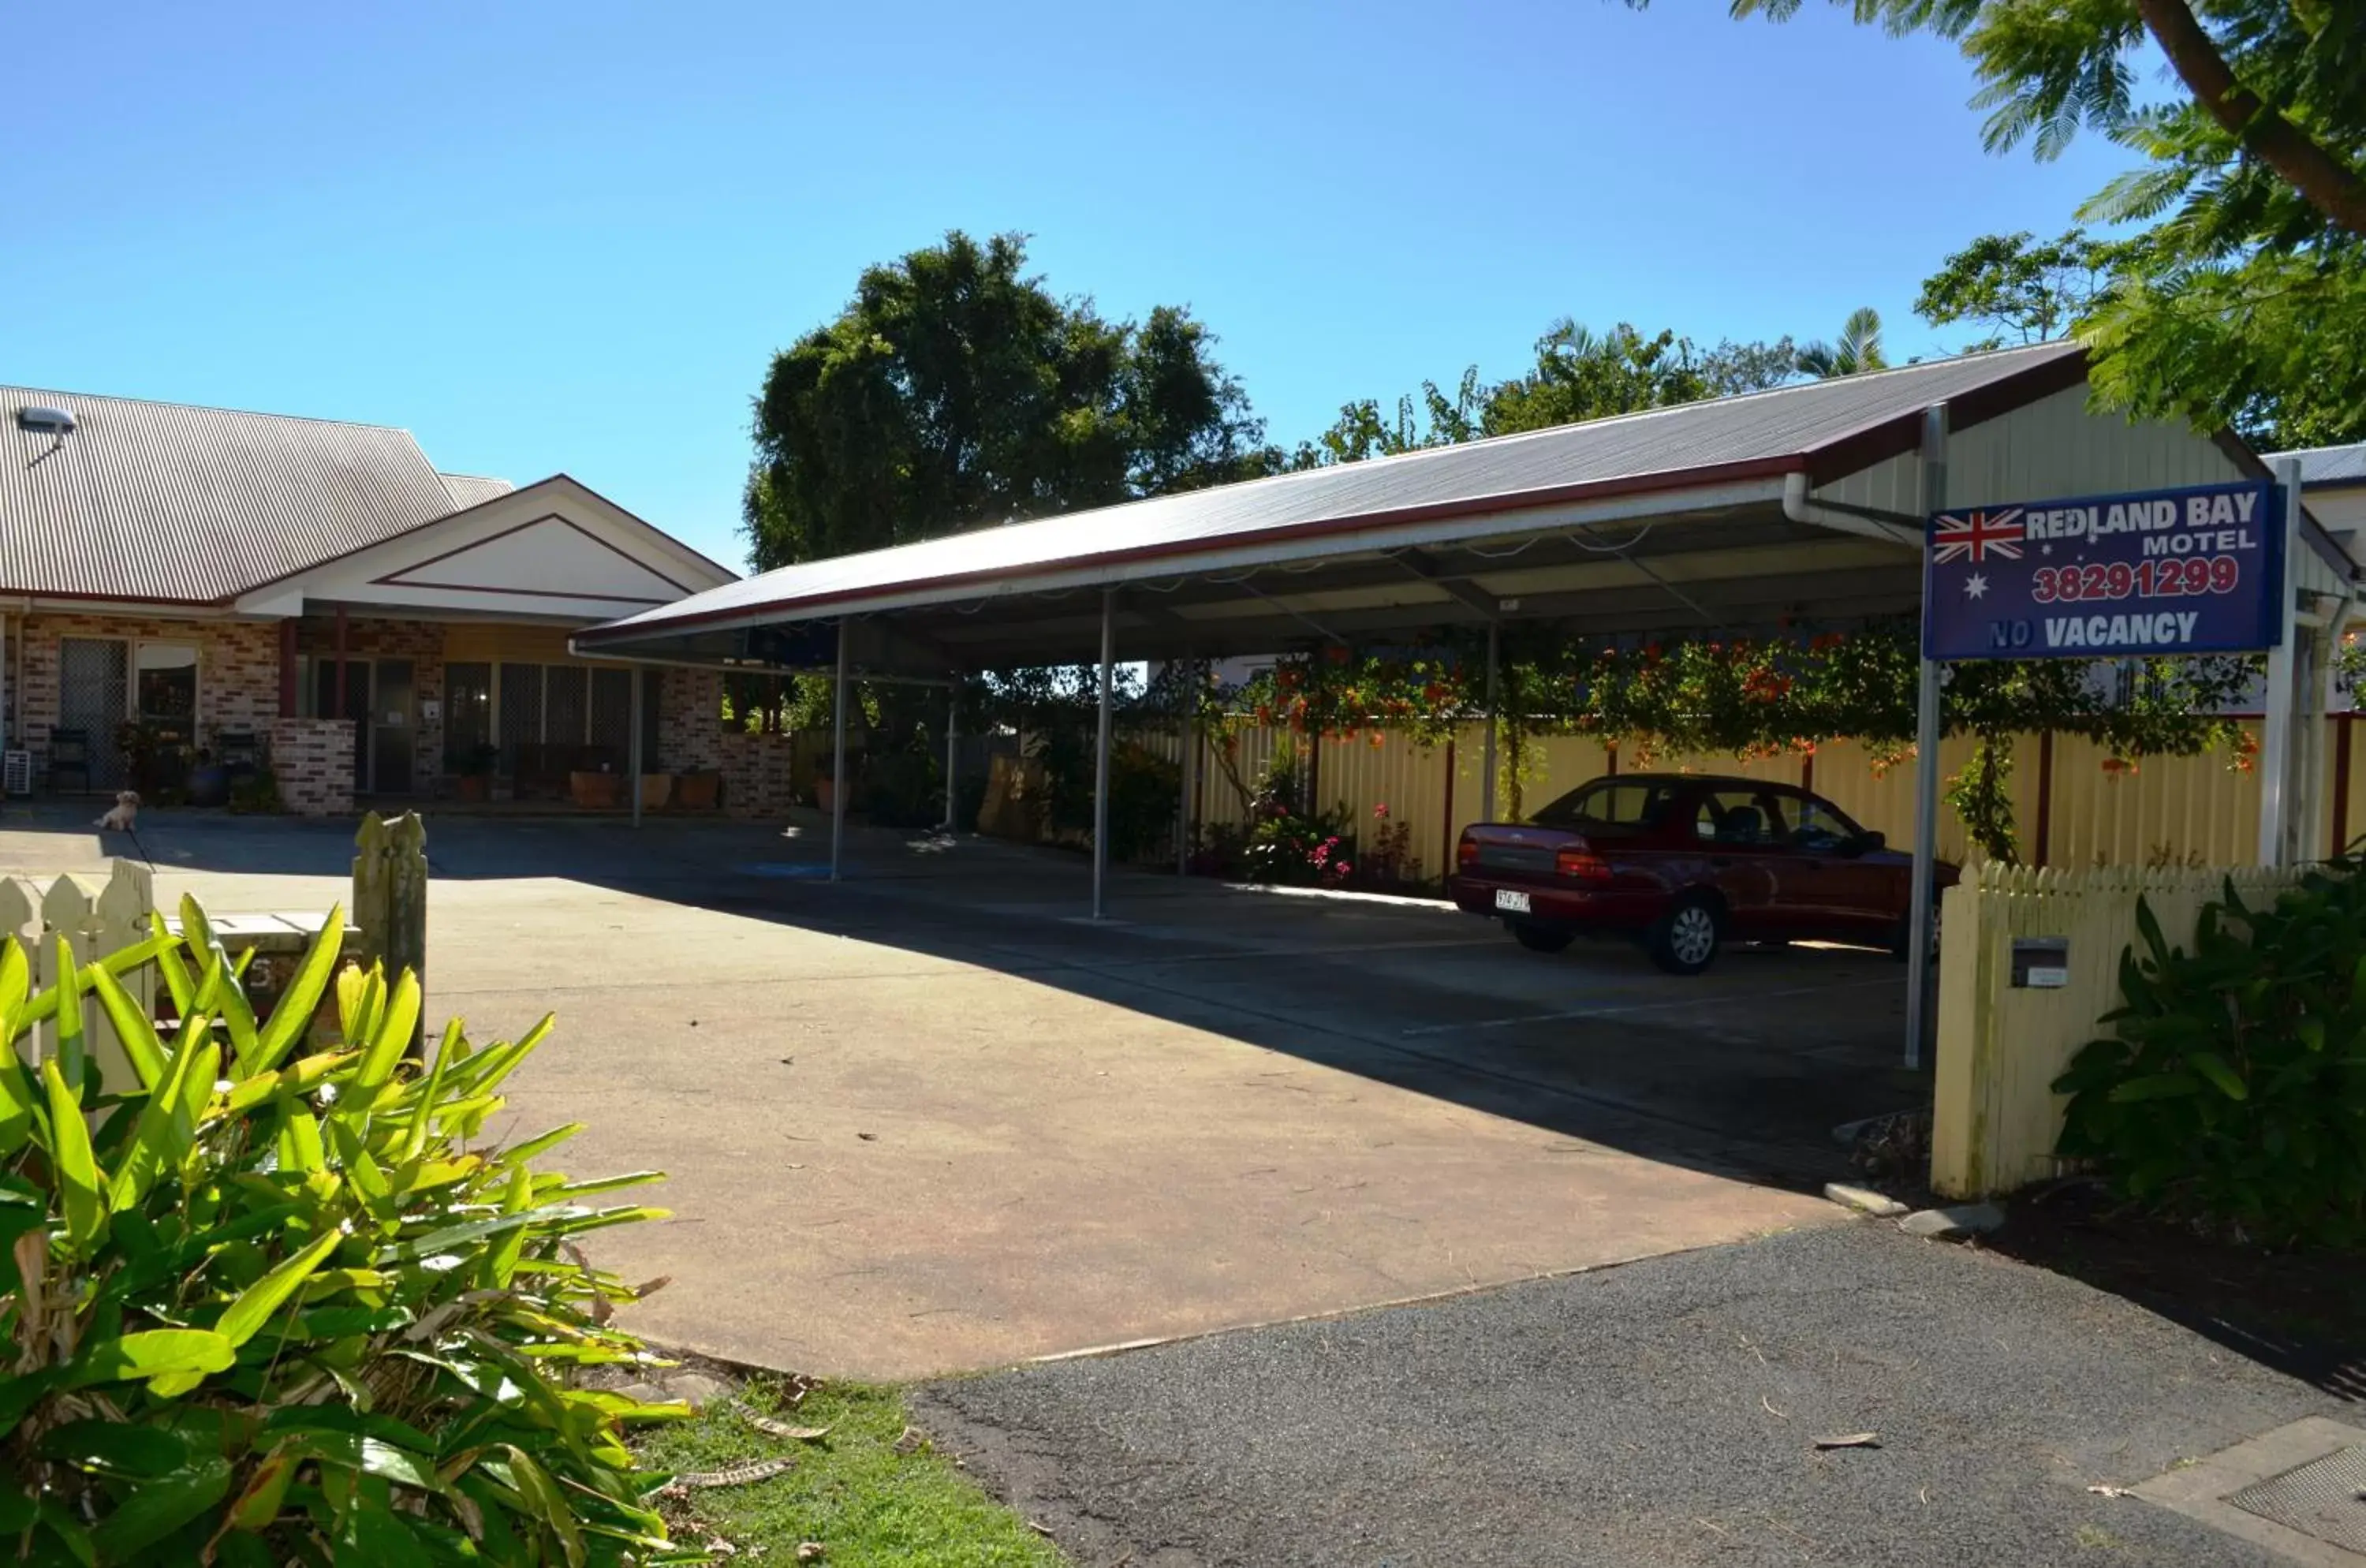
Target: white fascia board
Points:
(281, 602)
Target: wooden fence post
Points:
(391, 898)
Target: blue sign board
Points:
(2191, 570)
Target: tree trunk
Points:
(2330, 186)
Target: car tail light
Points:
(1577, 860)
(1467, 852)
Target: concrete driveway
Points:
(932, 1119)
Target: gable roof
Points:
(638, 562)
(171, 502)
(1822, 428)
(174, 503)
(468, 489)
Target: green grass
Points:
(866, 1503)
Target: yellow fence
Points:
(2072, 811)
(1996, 1116)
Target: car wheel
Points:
(1901, 942)
(1685, 940)
(1541, 939)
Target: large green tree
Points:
(2021, 288)
(956, 390)
(1577, 374)
(2243, 300)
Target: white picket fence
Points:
(95, 919)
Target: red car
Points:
(1684, 863)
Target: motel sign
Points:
(2190, 570)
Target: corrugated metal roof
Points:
(473, 489)
(2329, 465)
(1697, 444)
(169, 502)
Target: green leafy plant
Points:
(255, 793)
(268, 1300)
(2234, 1089)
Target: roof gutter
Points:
(1799, 506)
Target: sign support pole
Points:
(1487, 762)
(838, 759)
(1101, 757)
(1920, 1012)
(2284, 661)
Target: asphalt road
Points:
(1660, 1413)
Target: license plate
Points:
(1510, 901)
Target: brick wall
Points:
(759, 774)
(313, 760)
(690, 721)
(422, 642)
(237, 673)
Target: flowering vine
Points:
(1753, 695)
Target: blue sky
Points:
(569, 237)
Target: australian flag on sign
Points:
(1977, 535)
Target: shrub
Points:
(257, 792)
(1144, 791)
(901, 788)
(2235, 1090)
(269, 1305)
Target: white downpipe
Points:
(2283, 693)
(1799, 506)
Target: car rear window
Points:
(1609, 802)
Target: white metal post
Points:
(952, 750)
(1191, 692)
(2276, 728)
(838, 761)
(1101, 756)
(1928, 731)
(636, 730)
(1487, 755)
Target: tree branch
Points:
(2330, 186)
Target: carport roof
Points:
(1815, 428)
(1734, 512)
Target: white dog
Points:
(123, 816)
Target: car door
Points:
(1739, 832)
(1835, 891)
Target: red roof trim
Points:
(1902, 433)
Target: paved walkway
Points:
(1660, 1414)
(932, 1119)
